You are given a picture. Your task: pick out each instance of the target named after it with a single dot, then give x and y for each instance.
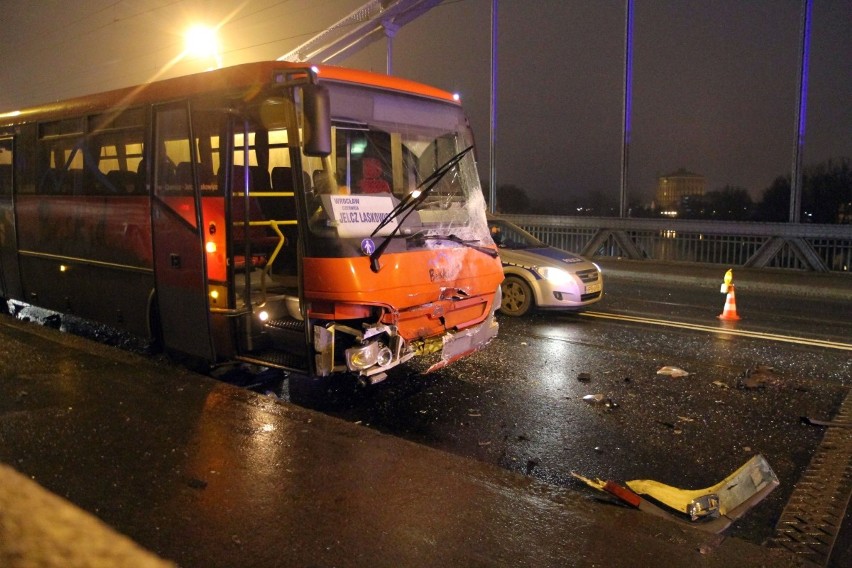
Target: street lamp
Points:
(201, 42)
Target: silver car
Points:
(538, 275)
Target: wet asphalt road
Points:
(519, 403)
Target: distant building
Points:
(673, 187)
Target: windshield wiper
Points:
(418, 195)
(409, 203)
(456, 239)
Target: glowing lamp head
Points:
(201, 41)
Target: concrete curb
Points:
(39, 529)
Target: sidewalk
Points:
(205, 474)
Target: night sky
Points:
(714, 81)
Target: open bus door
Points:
(9, 280)
(263, 246)
(179, 259)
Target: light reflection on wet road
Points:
(519, 403)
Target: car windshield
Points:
(507, 235)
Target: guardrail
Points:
(797, 246)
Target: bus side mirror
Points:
(317, 127)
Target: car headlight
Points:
(556, 276)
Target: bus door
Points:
(261, 192)
(179, 259)
(8, 245)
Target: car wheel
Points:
(517, 296)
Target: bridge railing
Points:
(796, 246)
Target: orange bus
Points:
(320, 220)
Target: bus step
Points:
(277, 359)
(286, 324)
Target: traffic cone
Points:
(729, 313)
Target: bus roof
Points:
(246, 77)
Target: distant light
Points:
(358, 147)
(10, 114)
(62, 268)
(456, 97)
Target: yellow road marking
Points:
(723, 330)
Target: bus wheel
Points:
(517, 297)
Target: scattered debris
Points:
(721, 384)
(600, 399)
(196, 483)
(673, 372)
(714, 507)
(531, 465)
(759, 377)
(711, 545)
(817, 422)
(584, 377)
(53, 321)
(485, 443)
(731, 497)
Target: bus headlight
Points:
(362, 357)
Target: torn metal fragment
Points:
(673, 372)
(736, 494)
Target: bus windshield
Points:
(388, 151)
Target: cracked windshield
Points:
(401, 168)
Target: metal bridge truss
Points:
(798, 246)
(375, 20)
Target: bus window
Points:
(172, 147)
(116, 157)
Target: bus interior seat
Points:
(260, 179)
(371, 179)
(124, 182)
(183, 175)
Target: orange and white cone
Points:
(730, 311)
